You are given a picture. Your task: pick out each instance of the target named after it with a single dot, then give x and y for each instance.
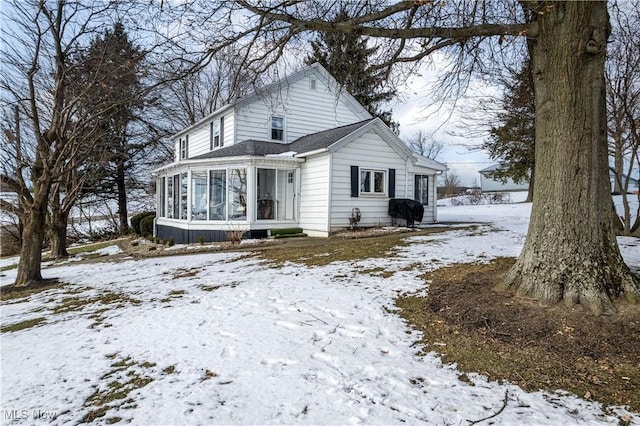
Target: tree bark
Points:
(58, 228)
(29, 267)
(123, 214)
(571, 252)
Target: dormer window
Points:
(277, 128)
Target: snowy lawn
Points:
(222, 338)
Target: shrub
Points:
(235, 236)
(146, 224)
(136, 219)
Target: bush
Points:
(146, 224)
(136, 219)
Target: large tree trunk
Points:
(29, 267)
(122, 197)
(58, 229)
(571, 252)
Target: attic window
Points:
(277, 128)
(313, 84)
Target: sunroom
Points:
(204, 200)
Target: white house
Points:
(489, 184)
(301, 152)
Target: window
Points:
(162, 203)
(372, 182)
(277, 128)
(237, 194)
(421, 189)
(174, 201)
(313, 84)
(217, 195)
(216, 134)
(184, 147)
(212, 132)
(183, 196)
(199, 201)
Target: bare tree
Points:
(571, 235)
(198, 94)
(451, 184)
(623, 105)
(423, 144)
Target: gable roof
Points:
(314, 69)
(325, 138)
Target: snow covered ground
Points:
(222, 338)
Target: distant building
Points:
(489, 184)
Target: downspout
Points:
(406, 178)
(329, 198)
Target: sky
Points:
(416, 110)
(223, 338)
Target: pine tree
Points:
(512, 141)
(111, 70)
(347, 58)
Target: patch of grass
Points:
(89, 248)
(184, 273)
(377, 272)
(8, 267)
(210, 287)
(169, 370)
(320, 252)
(78, 303)
(23, 325)
(11, 292)
(536, 347)
(125, 377)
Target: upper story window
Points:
(277, 128)
(216, 134)
(313, 84)
(372, 182)
(184, 147)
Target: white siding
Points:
(314, 195)
(430, 209)
(305, 111)
(369, 151)
(200, 136)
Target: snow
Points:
(251, 343)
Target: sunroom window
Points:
(199, 201)
(218, 195)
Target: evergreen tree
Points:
(512, 141)
(346, 57)
(111, 71)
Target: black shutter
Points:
(222, 131)
(355, 181)
(416, 188)
(392, 183)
